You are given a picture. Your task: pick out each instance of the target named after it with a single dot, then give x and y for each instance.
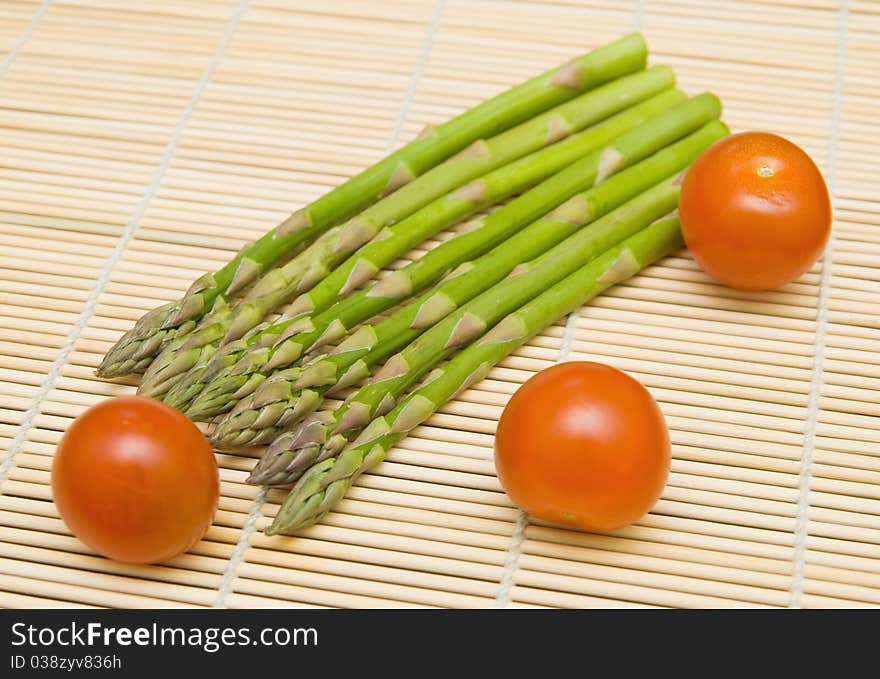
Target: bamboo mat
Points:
(143, 141)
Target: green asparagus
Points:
(230, 384)
(270, 408)
(138, 346)
(327, 482)
(492, 188)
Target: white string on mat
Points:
(123, 241)
(25, 36)
(511, 562)
(256, 510)
(250, 525)
(418, 72)
(638, 15)
(816, 378)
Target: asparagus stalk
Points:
(324, 435)
(259, 418)
(229, 385)
(134, 350)
(492, 188)
(327, 482)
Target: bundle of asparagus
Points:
(589, 153)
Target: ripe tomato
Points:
(755, 211)
(135, 480)
(583, 444)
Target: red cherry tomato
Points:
(135, 480)
(583, 444)
(755, 211)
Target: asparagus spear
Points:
(325, 434)
(272, 406)
(492, 188)
(228, 385)
(327, 482)
(136, 348)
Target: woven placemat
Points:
(143, 142)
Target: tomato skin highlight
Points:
(755, 211)
(135, 480)
(583, 444)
